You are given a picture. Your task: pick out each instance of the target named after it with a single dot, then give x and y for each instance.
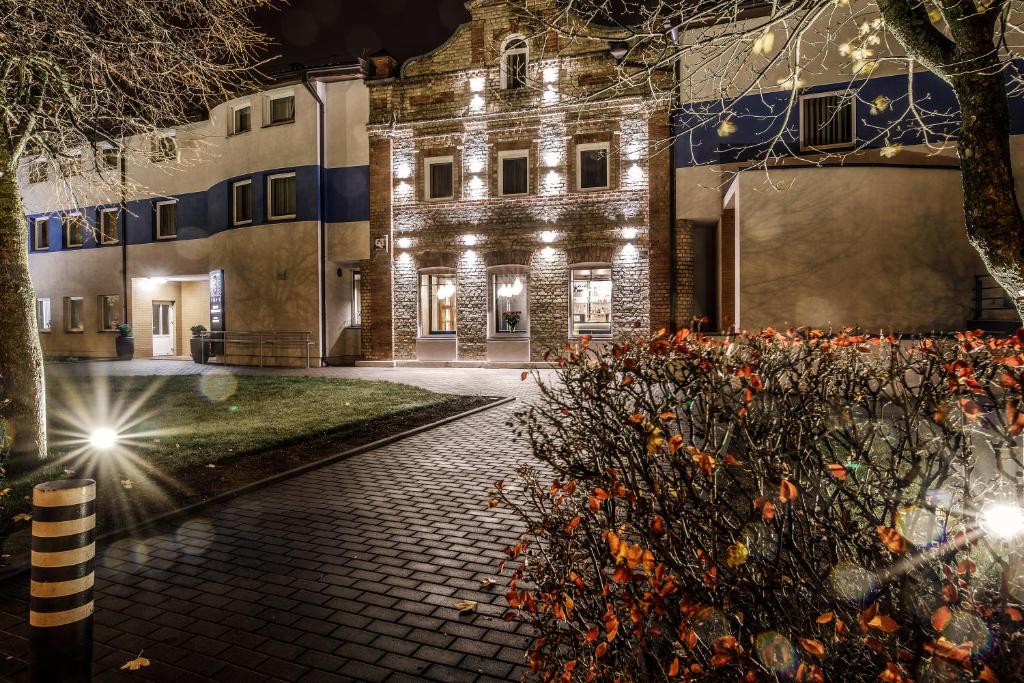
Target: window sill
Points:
(73, 246)
(509, 336)
(503, 195)
(238, 224)
(439, 199)
(239, 132)
(281, 219)
(165, 238)
(594, 189)
(278, 123)
(109, 244)
(40, 251)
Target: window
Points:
(241, 202)
(509, 302)
(280, 109)
(592, 166)
(110, 312)
(513, 64)
(163, 148)
(166, 214)
(109, 228)
(281, 196)
(437, 303)
(109, 157)
(513, 173)
(591, 301)
(241, 119)
(73, 306)
(38, 171)
(827, 121)
(74, 230)
(440, 177)
(70, 164)
(44, 319)
(357, 299)
(41, 234)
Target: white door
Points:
(163, 328)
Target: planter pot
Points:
(125, 348)
(198, 347)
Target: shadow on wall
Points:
(878, 248)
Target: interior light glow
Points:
(103, 438)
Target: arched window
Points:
(514, 58)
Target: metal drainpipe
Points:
(321, 232)
(123, 222)
(673, 277)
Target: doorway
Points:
(163, 328)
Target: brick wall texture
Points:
(451, 103)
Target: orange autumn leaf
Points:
(970, 408)
(825, 618)
(988, 675)
(838, 471)
(524, 375)
(884, 624)
(941, 617)
(592, 634)
(767, 508)
(787, 491)
(812, 646)
(892, 539)
(673, 669)
(658, 526)
(705, 462)
(600, 650)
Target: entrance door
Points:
(163, 328)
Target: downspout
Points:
(123, 221)
(673, 224)
(321, 212)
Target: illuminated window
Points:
(74, 230)
(592, 166)
(591, 302)
(513, 173)
(41, 234)
(109, 312)
(108, 226)
(510, 302)
(44, 318)
(357, 299)
(437, 304)
(167, 219)
(514, 59)
(439, 174)
(73, 308)
(280, 108)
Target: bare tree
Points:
(76, 74)
(725, 49)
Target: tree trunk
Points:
(21, 356)
(993, 218)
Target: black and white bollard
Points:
(61, 605)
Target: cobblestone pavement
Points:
(346, 573)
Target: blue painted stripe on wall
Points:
(201, 214)
(759, 120)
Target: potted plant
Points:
(198, 344)
(511, 319)
(125, 342)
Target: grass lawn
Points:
(185, 438)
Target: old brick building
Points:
(512, 211)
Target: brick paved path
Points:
(347, 573)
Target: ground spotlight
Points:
(103, 438)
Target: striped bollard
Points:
(61, 606)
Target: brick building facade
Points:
(512, 211)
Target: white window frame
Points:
(512, 154)
(156, 219)
(66, 228)
(101, 160)
(611, 302)
(523, 273)
(35, 233)
(232, 126)
(234, 202)
(67, 314)
(153, 158)
(100, 301)
(270, 196)
(590, 147)
(506, 51)
(268, 108)
(101, 236)
(853, 119)
(432, 161)
(44, 317)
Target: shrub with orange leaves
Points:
(773, 506)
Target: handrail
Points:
(262, 340)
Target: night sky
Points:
(312, 32)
